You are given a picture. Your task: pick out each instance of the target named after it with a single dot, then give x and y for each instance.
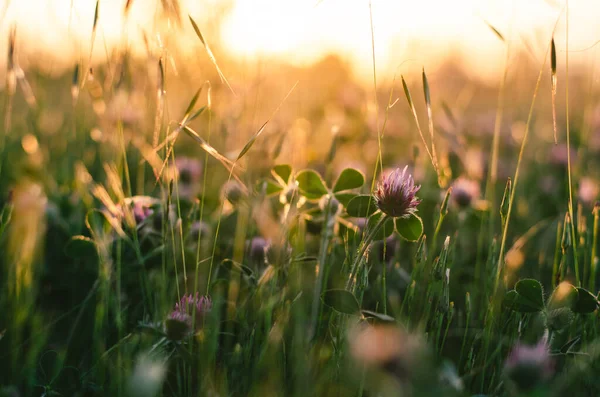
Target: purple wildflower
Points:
(141, 207)
(178, 325)
(232, 191)
(141, 212)
(194, 304)
(258, 248)
(464, 192)
(190, 307)
(396, 194)
(188, 172)
(528, 366)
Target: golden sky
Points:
(407, 33)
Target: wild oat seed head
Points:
(396, 194)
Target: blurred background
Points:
(93, 92)
(408, 34)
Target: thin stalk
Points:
(205, 168)
(557, 255)
(328, 224)
(438, 226)
(464, 340)
(366, 243)
(594, 261)
(384, 278)
(493, 171)
(569, 171)
(379, 159)
(516, 177)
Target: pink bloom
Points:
(190, 308)
(527, 366)
(396, 194)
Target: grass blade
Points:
(190, 107)
(496, 32)
(553, 68)
(92, 40)
(159, 103)
(262, 128)
(210, 55)
(414, 113)
(429, 118)
(213, 152)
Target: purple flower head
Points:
(178, 325)
(141, 212)
(588, 191)
(141, 207)
(180, 321)
(258, 248)
(188, 172)
(528, 366)
(194, 305)
(232, 191)
(396, 194)
(464, 191)
(199, 229)
(559, 155)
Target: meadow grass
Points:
(161, 242)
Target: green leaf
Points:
(269, 187)
(349, 179)
(311, 185)
(344, 198)
(585, 303)
(410, 228)
(510, 300)
(341, 300)
(194, 115)
(385, 231)
(191, 105)
(81, 247)
(262, 127)
(283, 172)
(531, 293)
(378, 316)
(361, 206)
(527, 297)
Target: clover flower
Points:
(464, 192)
(396, 194)
(188, 172)
(180, 322)
(528, 366)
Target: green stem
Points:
(328, 225)
(438, 226)
(363, 249)
(557, 255)
(573, 235)
(594, 261)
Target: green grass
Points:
(342, 300)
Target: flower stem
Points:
(594, 262)
(326, 235)
(366, 243)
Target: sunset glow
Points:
(299, 32)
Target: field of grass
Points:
(171, 229)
